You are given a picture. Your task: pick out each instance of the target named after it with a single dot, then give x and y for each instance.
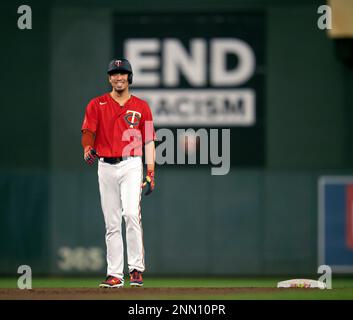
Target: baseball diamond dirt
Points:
(129, 293)
(174, 294)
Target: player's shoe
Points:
(112, 282)
(136, 278)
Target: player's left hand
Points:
(90, 155)
(149, 181)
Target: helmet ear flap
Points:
(130, 78)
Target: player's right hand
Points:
(90, 155)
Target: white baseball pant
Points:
(120, 192)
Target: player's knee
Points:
(113, 230)
(131, 217)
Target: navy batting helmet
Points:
(120, 65)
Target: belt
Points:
(114, 160)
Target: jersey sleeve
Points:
(147, 128)
(91, 119)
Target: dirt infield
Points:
(124, 293)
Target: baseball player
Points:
(116, 128)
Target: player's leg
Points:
(112, 211)
(131, 196)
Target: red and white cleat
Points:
(136, 278)
(112, 282)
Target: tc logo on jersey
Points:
(118, 63)
(132, 118)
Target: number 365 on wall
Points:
(80, 259)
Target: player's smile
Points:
(118, 81)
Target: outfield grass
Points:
(68, 282)
(342, 287)
(150, 282)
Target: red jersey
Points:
(120, 130)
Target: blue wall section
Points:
(335, 209)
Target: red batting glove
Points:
(149, 181)
(90, 155)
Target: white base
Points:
(301, 283)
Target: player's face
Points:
(119, 81)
